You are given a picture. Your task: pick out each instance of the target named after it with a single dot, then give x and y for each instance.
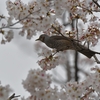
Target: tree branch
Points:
(13, 96)
(96, 3)
(8, 26)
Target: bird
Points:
(61, 43)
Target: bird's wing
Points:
(62, 38)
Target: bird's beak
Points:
(37, 39)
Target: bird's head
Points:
(42, 38)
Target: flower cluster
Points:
(49, 94)
(4, 92)
(48, 60)
(37, 84)
(92, 34)
(32, 16)
(88, 89)
(39, 15)
(85, 89)
(36, 80)
(48, 63)
(7, 37)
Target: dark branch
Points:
(96, 3)
(13, 96)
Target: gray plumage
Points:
(61, 43)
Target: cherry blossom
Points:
(5, 92)
(36, 80)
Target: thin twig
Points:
(15, 22)
(96, 3)
(90, 91)
(71, 39)
(87, 9)
(77, 28)
(96, 59)
(8, 26)
(57, 30)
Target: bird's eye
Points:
(42, 39)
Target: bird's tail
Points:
(84, 50)
(88, 53)
(97, 53)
